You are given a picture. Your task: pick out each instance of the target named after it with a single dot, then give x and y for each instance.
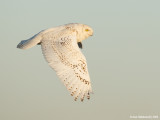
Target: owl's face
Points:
(83, 32)
(88, 30)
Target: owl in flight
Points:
(60, 47)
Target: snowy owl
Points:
(60, 47)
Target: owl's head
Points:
(87, 30)
(83, 32)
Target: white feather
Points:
(67, 60)
(60, 49)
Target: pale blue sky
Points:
(123, 58)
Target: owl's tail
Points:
(26, 44)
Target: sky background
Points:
(123, 60)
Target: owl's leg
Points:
(80, 45)
(39, 43)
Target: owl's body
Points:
(60, 49)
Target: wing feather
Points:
(63, 55)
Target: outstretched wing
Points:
(64, 56)
(31, 42)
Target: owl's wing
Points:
(64, 56)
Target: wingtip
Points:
(18, 46)
(21, 45)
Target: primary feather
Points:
(60, 49)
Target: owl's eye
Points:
(86, 29)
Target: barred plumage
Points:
(60, 49)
